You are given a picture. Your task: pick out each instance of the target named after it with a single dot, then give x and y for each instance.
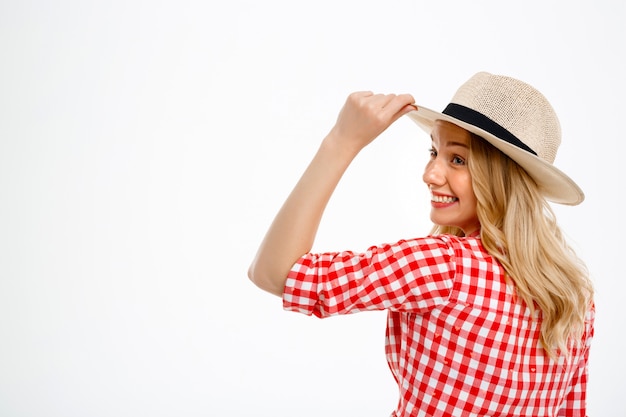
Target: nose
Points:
(434, 173)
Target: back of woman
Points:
(492, 313)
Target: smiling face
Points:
(453, 202)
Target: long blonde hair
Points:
(519, 229)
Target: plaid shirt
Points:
(459, 343)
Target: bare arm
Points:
(363, 117)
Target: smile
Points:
(443, 199)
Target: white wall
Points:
(146, 145)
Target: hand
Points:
(366, 115)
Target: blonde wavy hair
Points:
(519, 229)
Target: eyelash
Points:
(460, 161)
(457, 160)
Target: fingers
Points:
(366, 115)
(391, 103)
(394, 103)
(403, 104)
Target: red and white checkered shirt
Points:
(459, 343)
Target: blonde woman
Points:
(492, 313)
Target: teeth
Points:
(443, 199)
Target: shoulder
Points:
(451, 245)
(469, 244)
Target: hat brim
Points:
(555, 185)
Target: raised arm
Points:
(363, 117)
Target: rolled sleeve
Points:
(410, 275)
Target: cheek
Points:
(471, 197)
(467, 179)
(470, 188)
(463, 184)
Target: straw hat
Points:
(515, 118)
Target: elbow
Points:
(263, 280)
(252, 275)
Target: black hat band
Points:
(477, 119)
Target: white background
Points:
(146, 145)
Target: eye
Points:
(432, 152)
(457, 160)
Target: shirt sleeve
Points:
(575, 403)
(410, 275)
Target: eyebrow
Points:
(463, 145)
(453, 143)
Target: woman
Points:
(492, 314)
